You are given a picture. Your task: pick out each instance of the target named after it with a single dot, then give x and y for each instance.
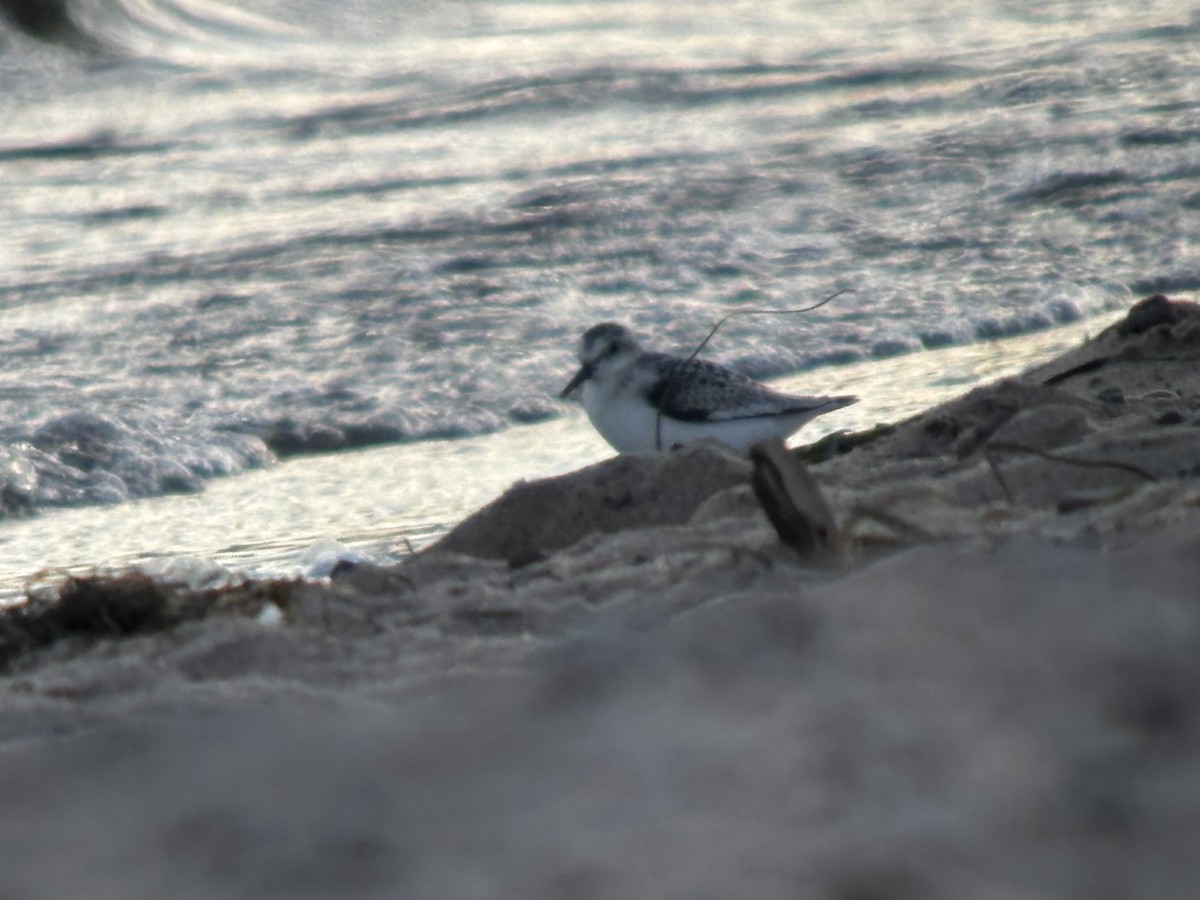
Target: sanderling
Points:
(641, 401)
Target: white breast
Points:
(625, 421)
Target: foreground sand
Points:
(619, 683)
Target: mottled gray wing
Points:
(701, 391)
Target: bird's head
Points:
(604, 348)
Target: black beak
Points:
(585, 372)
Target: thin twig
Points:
(991, 461)
(1055, 457)
(676, 373)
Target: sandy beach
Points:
(620, 682)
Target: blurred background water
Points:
(231, 234)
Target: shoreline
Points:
(620, 682)
(376, 502)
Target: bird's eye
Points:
(612, 350)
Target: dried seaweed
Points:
(130, 603)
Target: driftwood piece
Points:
(792, 499)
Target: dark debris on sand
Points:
(92, 607)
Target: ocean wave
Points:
(48, 20)
(81, 457)
(141, 27)
(96, 145)
(1074, 187)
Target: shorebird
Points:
(642, 401)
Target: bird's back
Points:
(697, 390)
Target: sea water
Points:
(348, 248)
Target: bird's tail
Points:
(832, 403)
